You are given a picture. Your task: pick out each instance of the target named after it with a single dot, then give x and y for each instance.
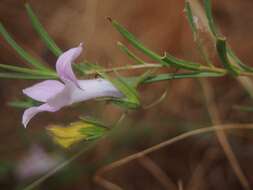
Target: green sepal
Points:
(94, 132)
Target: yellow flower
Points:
(74, 133)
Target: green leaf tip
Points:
(209, 15)
(222, 51)
(189, 15)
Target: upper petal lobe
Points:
(64, 64)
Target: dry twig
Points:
(154, 148)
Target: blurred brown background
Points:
(198, 162)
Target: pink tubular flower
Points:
(56, 94)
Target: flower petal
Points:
(63, 98)
(94, 88)
(71, 93)
(68, 135)
(44, 90)
(64, 64)
(32, 111)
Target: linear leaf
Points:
(172, 76)
(129, 91)
(236, 60)
(26, 70)
(222, 52)
(136, 43)
(42, 32)
(93, 121)
(214, 30)
(130, 54)
(179, 63)
(22, 53)
(209, 15)
(131, 99)
(10, 75)
(190, 18)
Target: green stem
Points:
(202, 68)
(128, 67)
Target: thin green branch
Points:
(122, 68)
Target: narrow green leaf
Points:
(93, 121)
(190, 18)
(172, 76)
(26, 70)
(222, 52)
(236, 60)
(124, 103)
(82, 67)
(131, 99)
(209, 15)
(22, 53)
(130, 54)
(119, 82)
(10, 75)
(229, 52)
(42, 32)
(179, 63)
(129, 91)
(134, 41)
